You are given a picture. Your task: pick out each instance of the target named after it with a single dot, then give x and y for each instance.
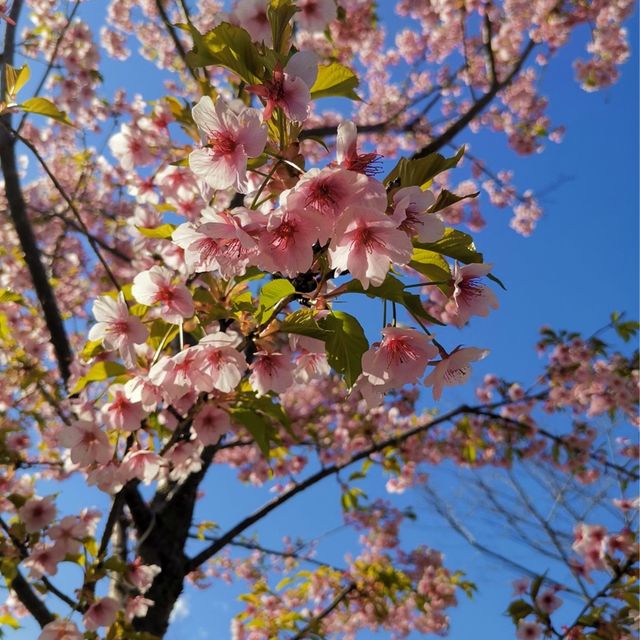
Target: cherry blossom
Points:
(365, 242)
(101, 614)
(347, 154)
(37, 513)
(453, 369)
(60, 629)
(289, 88)
(211, 424)
(410, 211)
(469, 296)
(400, 358)
(229, 140)
(271, 372)
(88, 443)
(156, 286)
(116, 327)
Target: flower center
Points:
(222, 143)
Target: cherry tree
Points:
(173, 272)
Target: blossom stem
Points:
(254, 204)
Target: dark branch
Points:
(18, 211)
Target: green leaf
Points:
(260, 429)
(45, 107)
(497, 281)
(433, 266)
(446, 199)
(334, 79)
(163, 231)
(91, 349)
(420, 170)
(98, 372)
(345, 345)
(15, 79)
(454, 244)
(270, 295)
(280, 13)
(536, 584)
(10, 296)
(393, 290)
(226, 45)
(303, 322)
(519, 609)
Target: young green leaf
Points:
(303, 322)
(98, 372)
(334, 79)
(419, 171)
(454, 244)
(15, 79)
(345, 345)
(44, 107)
(270, 294)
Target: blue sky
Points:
(579, 265)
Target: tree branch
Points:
(174, 36)
(68, 200)
(243, 525)
(17, 208)
(30, 600)
(479, 411)
(312, 626)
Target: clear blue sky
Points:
(579, 265)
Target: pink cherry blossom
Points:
(309, 358)
(37, 513)
(330, 190)
(143, 465)
(44, 559)
(287, 243)
(222, 361)
(453, 369)
(141, 389)
(469, 296)
(88, 443)
(548, 601)
(218, 244)
(130, 148)
(210, 424)
(180, 373)
(68, 534)
(289, 88)
(116, 327)
(101, 614)
(141, 575)
(156, 286)
(185, 459)
(528, 630)
(347, 154)
(271, 372)
(230, 139)
(400, 358)
(410, 211)
(314, 15)
(252, 16)
(137, 607)
(60, 629)
(121, 413)
(365, 243)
